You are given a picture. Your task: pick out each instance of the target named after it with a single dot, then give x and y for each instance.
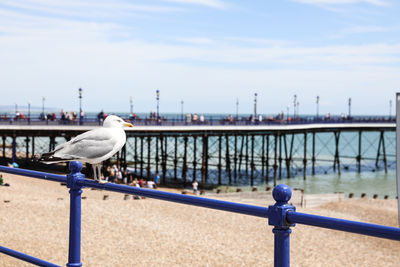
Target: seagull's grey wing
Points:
(95, 134)
(89, 145)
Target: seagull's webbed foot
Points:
(101, 181)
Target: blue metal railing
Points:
(281, 215)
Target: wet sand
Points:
(34, 219)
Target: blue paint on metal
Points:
(281, 215)
(35, 174)
(180, 198)
(26, 257)
(74, 252)
(345, 225)
(277, 217)
(281, 247)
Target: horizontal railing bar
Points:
(345, 225)
(35, 174)
(180, 198)
(27, 258)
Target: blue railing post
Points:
(74, 252)
(277, 217)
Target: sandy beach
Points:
(34, 219)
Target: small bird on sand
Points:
(93, 146)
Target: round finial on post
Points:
(75, 166)
(282, 193)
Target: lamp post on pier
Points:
(390, 109)
(80, 106)
(29, 112)
(298, 109)
(131, 105)
(237, 108)
(287, 112)
(181, 109)
(317, 106)
(43, 117)
(294, 106)
(349, 107)
(255, 105)
(158, 104)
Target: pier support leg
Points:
(313, 154)
(4, 146)
(305, 157)
(267, 161)
(219, 159)
(247, 156)
(378, 151)
(162, 157)
(33, 147)
(27, 148)
(204, 162)
(384, 152)
(141, 156)
(194, 157)
(14, 149)
(235, 159)
(184, 167)
(157, 154)
(275, 158)
(280, 156)
(135, 155)
(176, 159)
(204, 167)
(359, 152)
(262, 157)
(165, 157)
(287, 160)
(252, 165)
(336, 159)
(241, 155)
(228, 160)
(148, 157)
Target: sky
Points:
(207, 53)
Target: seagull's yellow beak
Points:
(128, 124)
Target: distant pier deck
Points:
(226, 154)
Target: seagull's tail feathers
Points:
(49, 158)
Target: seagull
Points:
(93, 146)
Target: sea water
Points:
(367, 182)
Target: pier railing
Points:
(281, 215)
(209, 121)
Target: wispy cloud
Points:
(196, 40)
(363, 30)
(86, 8)
(259, 41)
(366, 29)
(70, 44)
(209, 3)
(343, 2)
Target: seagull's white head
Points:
(115, 122)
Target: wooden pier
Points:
(252, 154)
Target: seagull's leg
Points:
(94, 172)
(100, 178)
